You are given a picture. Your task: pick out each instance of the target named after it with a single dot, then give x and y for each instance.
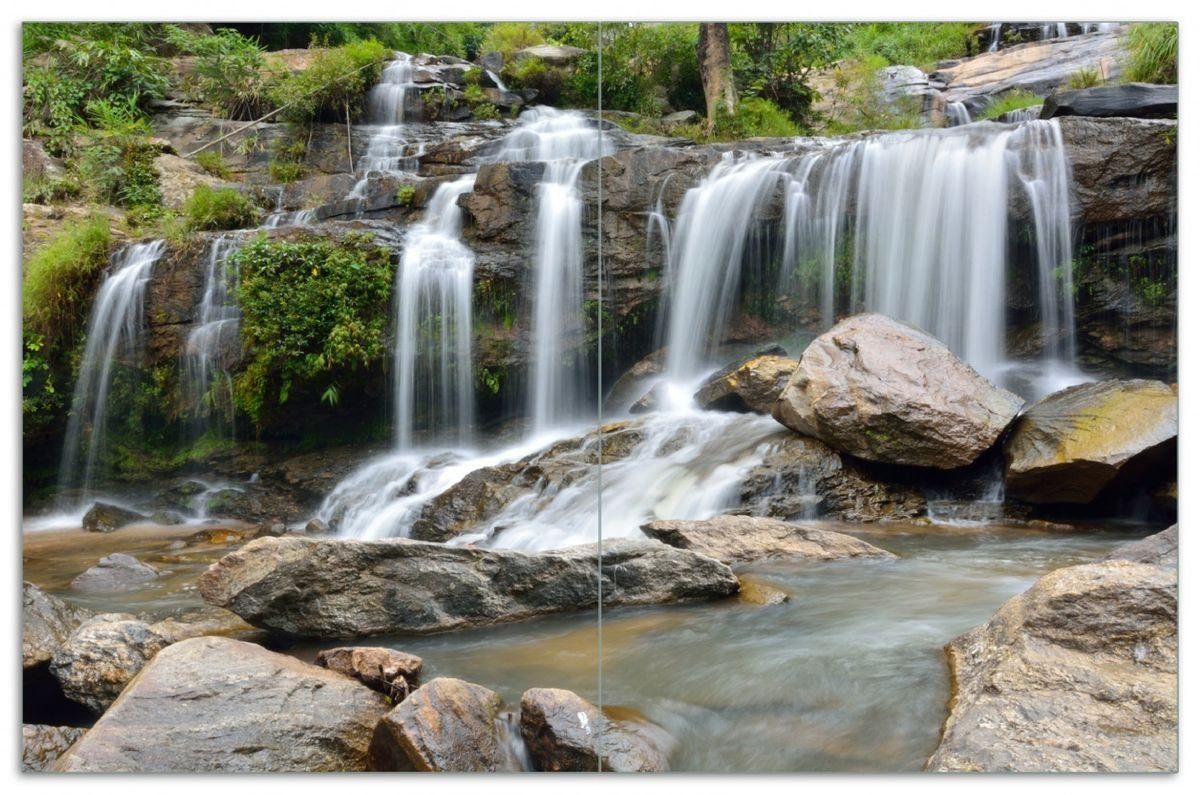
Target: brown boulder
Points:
(754, 385)
(393, 673)
(560, 731)
(737, 539)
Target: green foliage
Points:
(335, 82)
(860, 103)
(489, 379)
(481, 108)
(287, 161)
(644, 64)
(313, 311)
(507, 38)
(1085, 78)
(213, 209)
(911, 43)
(535, 74)
(229, 73)
(773, 60)
(444, 38)
(1153, 50)
(1012, 100)
(212, 162)
(405, 194)
(40, 399)
(755, 117)
(61, 276)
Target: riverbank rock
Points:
(1161, 549)
(1130, 100)
(1078, 673)
(342, 588)
(115, 572)
(1069, 446)
(215, 704)
(47, 622)
(754, 385)
(446, 725)
(43, 745)
(101, 656)
(559, 729)
(391, 672)
(884, 391)
(105, 518)
(737, 539)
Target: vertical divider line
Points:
(600, 722)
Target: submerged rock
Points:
(105, 518)
(1129, 100)
(1078, 673)
(43, 745)
(391, 672)
(754, 385)
(1069, 446)
(736, 539)
(101, 656)
(215, 704)
(342, 588)
(559, 729)
(115, 572)
(446, 725)
(884, 391)
(47, 622)
(1161, 549)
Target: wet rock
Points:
(47, 623)
(215, 704)
(1078, 673)
(757, 592)
(1121, 169)
(316, 527)
(115, 572)
(633, 382)
(342, 588)
(391, 672)
(737, 539)
(1161, 549)
(754, 385)
(105, 518)
(215, 535)
(198, 623)
(446, 725)
(101, 656)
(654, 400)
(884, 391)
(1130, 100)
(559, 729)
(166, 518)
(42, 745)
(1069, 446)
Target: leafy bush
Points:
(1153, 49)
(212, 162)
(507, 38)
(1011, 100)
(61, 276)
(755, 117)
(535, 74)
(213, 209)
(405, 194)
(641, 60)
(773, 60)
(335, 83)
(313, 311)
(229, 73)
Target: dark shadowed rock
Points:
(105, 518)
(732, 539)
(1130, 100)
(47, 623)
(341, 588)
(1067, 447)
(884, 391)
(753, 385)
(101, 656)
(391, 672)
(1161, 549)
(215, 704)
(1076, 674)
(1121, 169)
(115, 572)
(446, 725)
(42, 745)
(559, 729)
(655, 399)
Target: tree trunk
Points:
(716, 70)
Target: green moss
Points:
(213, 209)
(61, 276)
(405, 194)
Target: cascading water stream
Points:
(957, 114)
(207, 382)
(388, 111)
(114, 330)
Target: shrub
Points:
(405, 194)
(285, 171)
(1085, 78)
(756, 117)
(335, 83)
(229, 73)
(214, 209)
(212, 162)
(1153, 51)
(313, 311)
(61, 275)
(1012, 100)
(859, 102)
(507, 38)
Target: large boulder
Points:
(101, 656)
(1130, 100)
(753, 385)
(560, 728)
(737, 539)
(391, 672)
(1161, 549)
(105, 518)
(884, 391)
(446, 725)
(551, 54)
(115, 572)
(47, 623)
(1069, 446)
(1078, 673)
(43, 745)
(215, 704)
(342, 588)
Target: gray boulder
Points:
(47, 623)
(115, 572)
(1069, 446)
(215, 704)
(105, 518)
(737, 539)
(341, 588)
(1161, 549)
(884, 391)
(1130, 100)
(43, 745)
(551, 54)
(1078, 673)
(560, 728)
(101, 656)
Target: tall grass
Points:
(61, 276)
(1153, 49)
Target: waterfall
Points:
(433, 370)
(114, 330)
(994, 42)
(206, 380)
(1054, 30)
(1030, 113)
(388, 111)
(957, 114)
(564, 141)
(912, 224)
